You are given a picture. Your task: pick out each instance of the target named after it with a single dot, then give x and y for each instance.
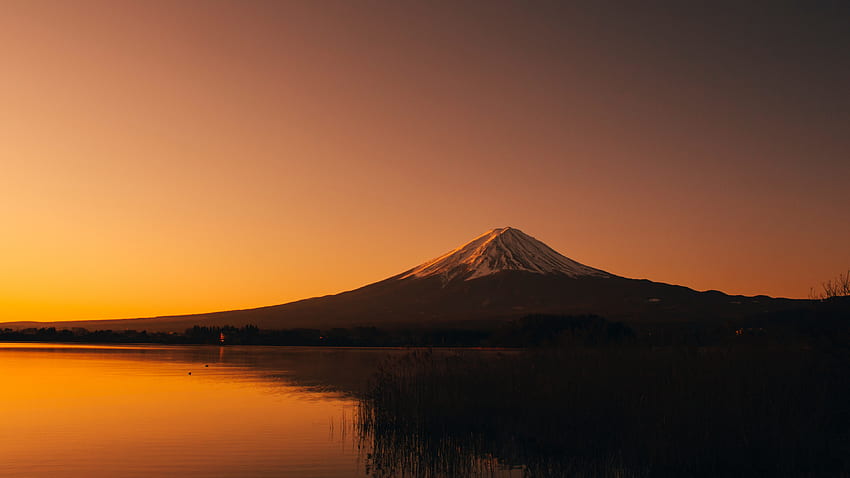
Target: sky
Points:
(171, 157)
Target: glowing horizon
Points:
(168, 159)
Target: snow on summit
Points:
(501, 249)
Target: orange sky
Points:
(165, 157)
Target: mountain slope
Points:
(501, 249)
(502, 274)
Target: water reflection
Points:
(147, 410)
(342, 370)
(135, 411)
(98, 411)
(198, 411)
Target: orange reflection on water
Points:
(136, 411)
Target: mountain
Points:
(500, 275)
(498, 250)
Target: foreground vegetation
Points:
(767, 397)
(768, 410)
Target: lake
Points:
(179, 411)
(209, 411)
(188, 411)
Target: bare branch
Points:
(838, 287)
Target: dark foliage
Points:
(532, 331)
(822, 323)
(540, 330)
(765, 396)
(743, 410)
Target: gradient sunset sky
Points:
(169, 157)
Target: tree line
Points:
(826, 322)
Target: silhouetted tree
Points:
(838, 287)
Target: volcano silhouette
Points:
(501, 275)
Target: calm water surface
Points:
(94, 411)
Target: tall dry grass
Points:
(623, 411)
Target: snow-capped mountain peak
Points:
(501, 249)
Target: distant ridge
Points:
(500, 275)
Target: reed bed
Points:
(611, 411)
